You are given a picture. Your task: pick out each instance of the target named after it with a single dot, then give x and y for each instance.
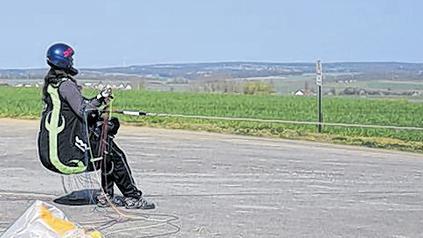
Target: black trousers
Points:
(114, 169)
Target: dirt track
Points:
(235, 186)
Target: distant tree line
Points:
(234, 86)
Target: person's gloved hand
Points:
(105, 95)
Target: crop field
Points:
(290, 84)
(26, 103)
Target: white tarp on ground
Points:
(46, 221)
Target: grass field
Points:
(26, 103)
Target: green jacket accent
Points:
(54, 130)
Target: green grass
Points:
(396, 85)
(26, 103)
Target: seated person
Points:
(69, 139)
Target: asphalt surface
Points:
(235, 186)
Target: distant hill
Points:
(193, 71)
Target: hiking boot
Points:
(138, 203)
(104, 199)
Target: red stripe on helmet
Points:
(68, 52)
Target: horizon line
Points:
(220, 62)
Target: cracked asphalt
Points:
(236, 186)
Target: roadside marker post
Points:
(319, 83)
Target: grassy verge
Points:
(26, 103)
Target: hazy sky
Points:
(123, 32)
